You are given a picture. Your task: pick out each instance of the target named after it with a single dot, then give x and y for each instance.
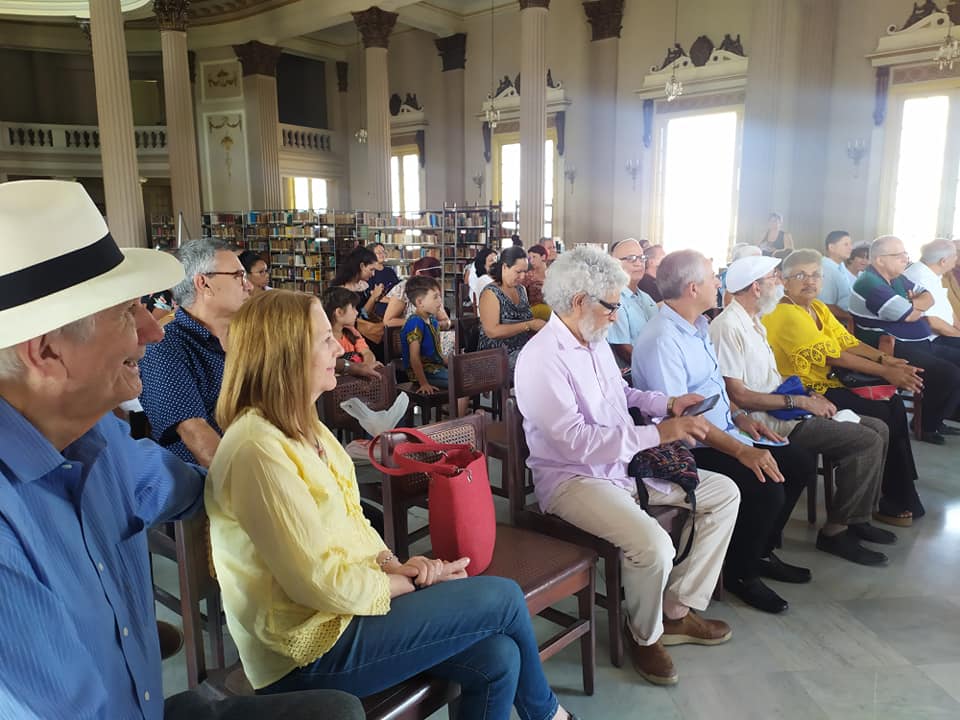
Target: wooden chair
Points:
(829, 473)
(530, 516)
(394, 354)
(913, 402)
(468, 333)
(476, 373)
(415, 699)
(377, 394)
(548, 570)
(391, 345)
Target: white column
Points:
(378, 128)
(375, 26)
(605, 18)
(178, 97)
(533, 116)
(453, 51)
(259, 63)
(115, 120)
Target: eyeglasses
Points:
(902, 255)
(236, 274)
(611, 307)
(633, 259)
(803, 277)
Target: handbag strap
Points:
(407, 465)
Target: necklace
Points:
(809, 310)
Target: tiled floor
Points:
(856, 644)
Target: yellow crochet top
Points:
(295, 557)
(801, 348)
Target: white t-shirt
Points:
(477, 284)
(920, 274)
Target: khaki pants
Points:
(603, 509)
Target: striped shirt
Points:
(880, 307)
(80, 638)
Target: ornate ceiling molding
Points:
(507, 99)
(605, 18)
(258, 58)
(375, 26)
(917, 40)
(172, 14)
(453, 51)
(52, 8)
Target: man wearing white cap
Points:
(857, 449)
(76, 492)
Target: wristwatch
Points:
(737, 413)
(346, 366)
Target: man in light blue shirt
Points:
(636, 307)
(77, 494)
(678, 357)
(835, 291)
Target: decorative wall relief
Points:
(221, 80)
(226, 149)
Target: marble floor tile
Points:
(945, 675)
(754, 695)
(887, 694)
(925, 630)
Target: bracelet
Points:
(670, 403)
(788, 399)
(738, 413)
(387, 559)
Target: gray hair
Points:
(585, 269)
(80, 331)
(197, 257)
(742, 250)
(937, 250)
(803, 256)
(881, 245)
(679, 269)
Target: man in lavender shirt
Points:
(581, 437)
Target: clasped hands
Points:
(423, 572)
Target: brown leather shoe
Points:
(652, 662)
(171, 639)
(695, 630)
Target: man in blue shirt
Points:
(678, 358)
(835, 291)
(182, 374)
(76, 492)
(636, 307)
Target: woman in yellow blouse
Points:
(313, 597)
(809, 342)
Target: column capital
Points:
(453, 51)
(605, 18)
(525, 4)
(258, 58)
(342, 68)
(172, 14)
(375, 26)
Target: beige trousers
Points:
(649, 576)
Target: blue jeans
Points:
(438, 378)
(475, 632)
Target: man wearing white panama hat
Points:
(76, 492)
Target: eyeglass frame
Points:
(611, 308)
(802, 276)
(903, 255)
(633, 259)
(240, 275)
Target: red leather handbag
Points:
(462, 519)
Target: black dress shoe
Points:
(867, 532)
(773, 568)
(847, 546)
(755, 594)
(934, 438)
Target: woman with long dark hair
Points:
(505, 316)
(354, 273)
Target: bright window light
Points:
(510, 181)
(699, 214)
(395, 185)
(411, 185)
(301, 193)
(923, 138)
(318, 194)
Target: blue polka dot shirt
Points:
(181, 380)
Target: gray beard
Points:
(591, 333)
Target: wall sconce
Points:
(571, 175)
(633, 169)
(856, 150)
(478, 181)
(361, 136)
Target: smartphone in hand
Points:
(703, 406)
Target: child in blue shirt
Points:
(420, 336)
